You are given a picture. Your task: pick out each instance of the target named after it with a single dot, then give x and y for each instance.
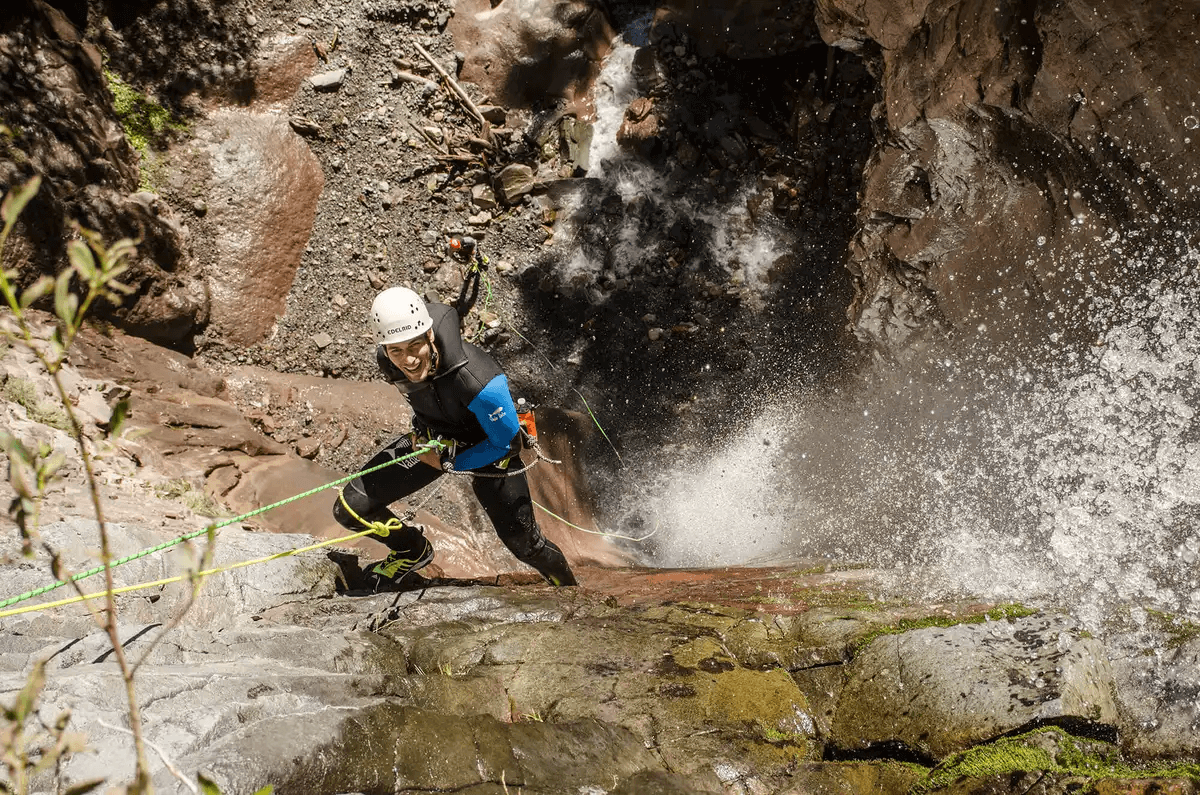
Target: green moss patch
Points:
(1178, 630)
(182, 490)
(1049, 750)
(25, 393)
(147, 124)
(1007, 612)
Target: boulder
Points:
(264, 185)
(1157, 674)
(526, 52)
(514, 181)
(942, 690)
(1011, 145)
(639, 129)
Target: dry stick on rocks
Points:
(456, 88)
(161, 754)
(409, 77)
(429, 138)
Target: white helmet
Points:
(399, 315)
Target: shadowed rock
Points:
(1012, 141)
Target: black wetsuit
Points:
(466, 400)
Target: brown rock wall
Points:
(1012, 141)
(265, 186)
(56, 104)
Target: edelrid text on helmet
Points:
(398, 315)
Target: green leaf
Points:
(16, 200)
(125, 247)
(82, 259)
(83, 786)
(26, 701)
(116, 420)
(207, 785)
(22, 476)
(36, 291)
(52, 465)
(62, 296)
(267, 790)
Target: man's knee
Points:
(352, 501)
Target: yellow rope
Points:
(188, 576)
(381, 529)
(593, 532)
(377, 528)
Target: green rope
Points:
(432, 444)
(602, 433)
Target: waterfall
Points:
(970, 472)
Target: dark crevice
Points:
(816, 666)
(892, 750)
(898, 751)
(1072, 725)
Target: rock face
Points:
(622, 685)
(1010, 142)
(639, 681)
(265, 185)
(963, 685)
(526, 51)
(742, 28)
(62, 125)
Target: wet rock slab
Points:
(940, 690)
(622, 685)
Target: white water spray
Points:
(745, 251)
(970, 474)
(974, 476)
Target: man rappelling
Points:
(460, 398)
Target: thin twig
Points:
(409, 77)
(454, 86)
(162, 755)
(429, 138)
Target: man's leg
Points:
(510, 508)
(369, 495)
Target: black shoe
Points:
(552, 564)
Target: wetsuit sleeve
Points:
(494, 409)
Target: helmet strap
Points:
(433, 353)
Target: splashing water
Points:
(973, 474)
(745, 251)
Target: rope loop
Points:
(380, 528)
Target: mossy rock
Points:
(1057, 762)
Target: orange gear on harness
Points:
(525, 418)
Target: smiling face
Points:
(414, 357)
